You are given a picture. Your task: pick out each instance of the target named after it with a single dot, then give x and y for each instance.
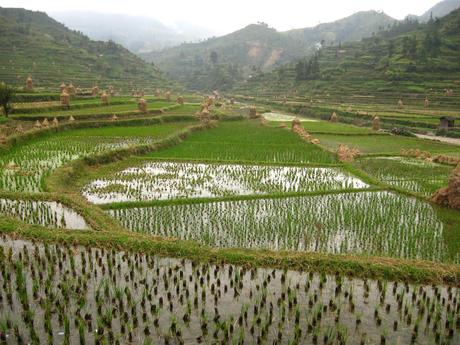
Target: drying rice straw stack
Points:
(142, 105)
(376, 123)
(65, 99)
(29, 83)
(104, 98)
(334, 117)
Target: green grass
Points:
(36, 158)
(246, 141)
(329, 127)
(109, 109)
(385, 144)
(159, 130)
(413, 175)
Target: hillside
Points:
(409, 58)
(221, 62)
(440, 10)
(33, 43)
(352, 28)
(138, 34)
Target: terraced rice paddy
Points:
(173, 180)
(279, 117)
(385, 144)
(410, 174)
(246, 141)
(81, 295)
(44, 213)
(373, 223)
(23, 168)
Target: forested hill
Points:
(33, 43)
(410, 57)
(221, 62)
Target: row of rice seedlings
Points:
(171, 180)
(376, 223)
(23, 169)
(75, 295)
(250, 152)
(45, 213)
(415, 175)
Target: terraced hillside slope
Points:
(220, 62)
(410, 62)
(33, 43)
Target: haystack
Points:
(95, 90)
(204, 115)
(376, 123)
(65, 99)
(45, 122)
(180, 100)
(12, 166)
(168, 95)
(450, 196)
(427, 102)
(334, 117)
(347, 155)
(71, 89)
(298, 129)
(142, 105)
(38, 124)
(19, 129)
(253, 113)
(63, 87)
(400, 104)
(209, 101)
(71, 118)
(114, 117)
(216, 94)
(349, 109)
(55, 122)
(29, 83)
(104, 98)
(157, 93)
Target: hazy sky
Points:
(226, 16)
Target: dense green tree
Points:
(214, 57)
(6, 95)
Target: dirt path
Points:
(453, 141)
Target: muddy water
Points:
(145, 295)
(171, 180)
(45, 213)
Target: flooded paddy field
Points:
(372, 223)
(173, 180)
(56, 294)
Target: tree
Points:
(214, 57)
(6, 95)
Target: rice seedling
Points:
(44, 213)
(23, 168)
(141, 299)
(374, 223)
(410, 174)
(247, 141)
(172, 180)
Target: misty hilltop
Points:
(138, 34)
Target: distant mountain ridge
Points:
(440, 10)
(33, 43)
(410, 58)
(257, 47)
(138, 34)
